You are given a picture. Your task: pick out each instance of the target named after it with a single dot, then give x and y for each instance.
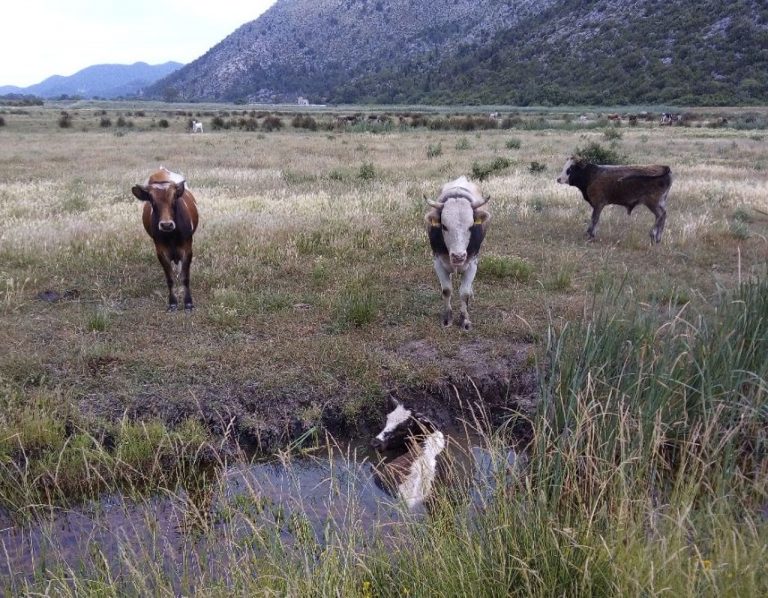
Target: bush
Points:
(218, 123)
(2, 121)
(463, 144)
(367, 172)
(483, 171)
(65, 121)
(597, 154)
(272, 123)
(434, 150)
(163, 123)
(304, 121)
(513, 143)
(105, 122)
(536, 167)
(612, 134)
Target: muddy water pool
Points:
(205, 529)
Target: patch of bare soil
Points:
(488, 378)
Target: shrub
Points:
(597, 154)
(163, 123)
(612, 134)
(105, 122)
(536, 167)
(513, 143)
(434, 150)
(304, 121)
(217, 123)
(483, 171)
(272, 123)
(249, 124)
(2, 121)
(463, 144)
(65, 121)
(367, 172)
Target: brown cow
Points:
(170, 218)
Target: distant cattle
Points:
(197, 126)
(456, 227)
(669, 119)
(627, 186)
(170, 218)
(412, 475)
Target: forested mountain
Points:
(488, 51)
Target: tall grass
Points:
(647, 474)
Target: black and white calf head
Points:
(402, 423)
(565, 175)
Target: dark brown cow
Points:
(170, 218)
(627, 186)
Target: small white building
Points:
(303, 101)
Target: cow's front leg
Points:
(165, 262)
(186, 262)
(465, 292)
(593, 224)
(445, 284)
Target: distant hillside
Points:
(488, 51)
(102, 80)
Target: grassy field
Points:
(315, 299)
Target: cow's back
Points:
(630, 184)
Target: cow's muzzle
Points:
(378, 444)
(167, 226)
(458, 259)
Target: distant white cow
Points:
(197, 126)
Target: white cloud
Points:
(50, 37)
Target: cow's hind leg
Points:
(661, 217)
(445, 284)
(165, 262)
(465, 292)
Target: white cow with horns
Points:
(456, 227)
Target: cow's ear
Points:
(481, 216)
(179, 190)
(141, 193)
(432, 218)
(394, 402)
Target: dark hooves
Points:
(188, 307)
(172, 307)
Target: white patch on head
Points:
(417, 485)
(457, 218)
(564, 177)
(396, 417)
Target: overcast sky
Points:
(40, 38)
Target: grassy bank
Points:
(647, 474)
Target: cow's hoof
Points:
(172, 307)
(188, 307)
(447, 322)
(466, 326)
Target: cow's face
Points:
(401, 424)
(163, 198)
(456, 220)
(565, 176)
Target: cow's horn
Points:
(435, 204)
(476, 203)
